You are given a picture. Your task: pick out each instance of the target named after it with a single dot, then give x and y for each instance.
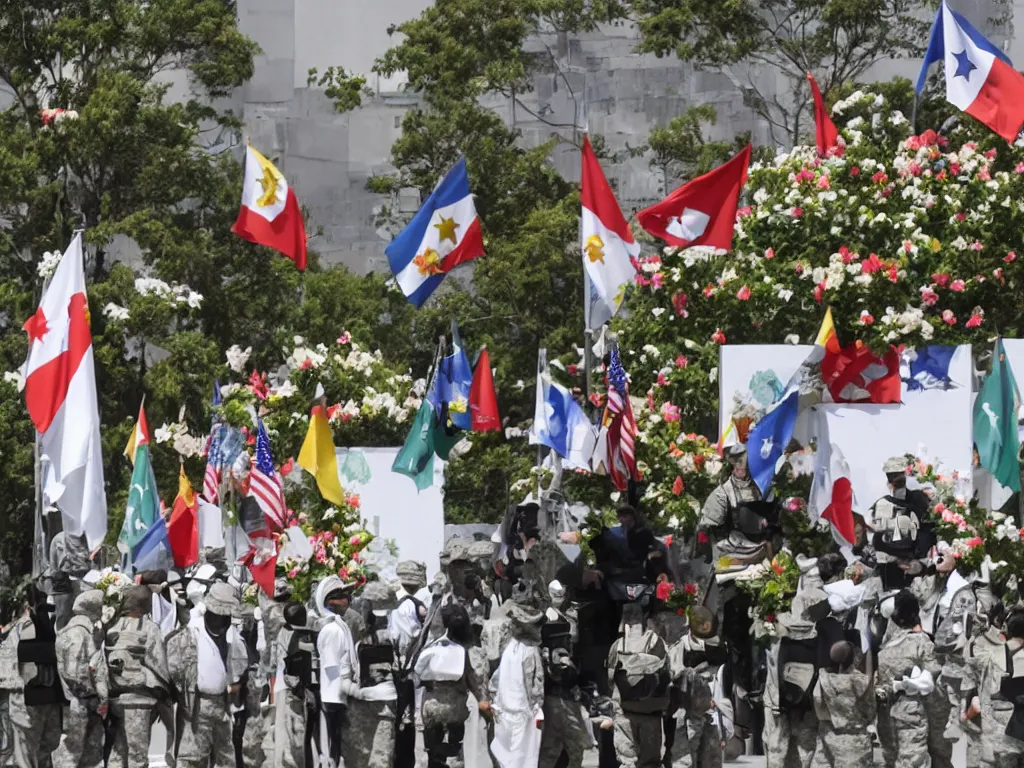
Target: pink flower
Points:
(345, 338)
(662, 379)
(793, 504)
(571, 369)
(866, 318)
(682, 362)
(640, 279)
(879, 178)
(293, 572)
(770, 253)
(997, 273)
(799, 269)
(664, 590)
(913, 142)
(976, 318)
(1011, 256)
(702, 537)
(954, 168)
(306, 364)
(871, 264)
(855, 171)
(991, 154)
(709, 291)
(718, 336)
(328, 535)
(847, 255)
(823, 182)
(656, 280)
(893, 274)
(744, 211)
(941, 278)
(796, 213)
(983, 173)
(679, 301)
(928, 296)
(692, 589)
(352, 500)
(677, 486)
(743, 294)
(1019, 168)
(957, 286)
(948, 317)
(961, 216)
(819, 292)
(974, 541)
(976, 246)
(940, 508)
(670, 412)
(354, 541)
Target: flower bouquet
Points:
(678, 598)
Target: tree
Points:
(836, 40)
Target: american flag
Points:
(620, 425)
(265, 482)
(211, 479)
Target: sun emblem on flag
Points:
(594, 249)
(428, 262)
(268, 182)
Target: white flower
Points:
(760, 196)
(298, 341)
(785, 294)
(287, 389)
(163, 433)
(48, 264)
(237, 358)
(650, 349)
(151, 286)
(658, 311)
(792, 338)
(713, 375)
(713, 466)
(114, 312)
(15, 378)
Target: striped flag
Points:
(619, 427)
(211, 479)
(265, 483)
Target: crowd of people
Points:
(516, 656)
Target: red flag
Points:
(855, 374)
(270, 213)
(483, 402)
(183, 526)
(824, 129)
(702, 211)
(262, 564)
(840, 512)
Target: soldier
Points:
(640, 671)
(10, 681)
(137, 664)
(566, 729)
(36, 708)
(517, 690)
(68, 562)
(844, 701)
(405, 624)
(207, 664)
(901, 533)
(83, 671)
(906, 677)
(294, 700)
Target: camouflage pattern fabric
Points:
(845, 704)
(564, 728)
(370, 741)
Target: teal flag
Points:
(416, 459)
(143, 502)
(995, 422)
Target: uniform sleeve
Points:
(533, 676)
(100, 674)
(928, 660)
(156, 651)
(473, 682)
(716, 510)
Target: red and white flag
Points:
(608, 245)
(702, 211)
(825, 134)
(270, 212)
(60, 393)
(831, 496)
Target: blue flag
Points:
(153, 552)
(454, 380)
(929, 368)
(768, 439)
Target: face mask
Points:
(216, 625)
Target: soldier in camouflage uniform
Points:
(10, 682)
(294, 700)
(137, 665)
(83, 671)
(844, 700)
(207, 664)
(249, 731)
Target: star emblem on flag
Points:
(964, 65)
(446, 230)
(36, 326)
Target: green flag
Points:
(143, 500)
(995, 422)
(416, 459)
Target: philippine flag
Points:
(980, 78)
(444, 233)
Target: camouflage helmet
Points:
(895, 465)
(467, 550)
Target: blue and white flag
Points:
(561, 424)
(444, 233)
(153, 552)
(928, 368)
(454, 380)
(767, 441)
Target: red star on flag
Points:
(36, 326)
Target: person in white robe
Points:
(517, 691)
(338, 664)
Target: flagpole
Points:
(39, 536)
(542, 366)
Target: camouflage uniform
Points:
(83, 671)
(997, 749)
(565, 725)
(902, 717)
(845, 705)
(36, 727)
(515, 730)
(638, 735)
(986, 644)
(696, 742)
(10, 682)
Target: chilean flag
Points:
(980, 78)
(702, 211)
(270, 212)
(607, 243)
(60, 393)
(444, 233)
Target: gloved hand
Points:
(882, 693)
(898, 685)
(919, 683)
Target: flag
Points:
(608, 246)
(416, 459)
(262, 562)
(143, 508)
(483, 400)
(702, 211)
(317, 457)
(928, 367)
(618, 431)
(139, 434)
(212, 476)
(444, 233)
(60, 394)
(183, 526)
(453, 383)
(825, 133)
(831, 497)
(265, 482)
(553, 404)
(211, 526)
(995, 422)
(769, 438)
(980, 78)
(855, 374)
(152, 551)
(270, 212)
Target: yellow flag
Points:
(827, 332)
(318, 458)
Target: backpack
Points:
(126, 657)
(643, 678)
(298, 660)
(798, 674)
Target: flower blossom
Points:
(743, 294)
(718, 336)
